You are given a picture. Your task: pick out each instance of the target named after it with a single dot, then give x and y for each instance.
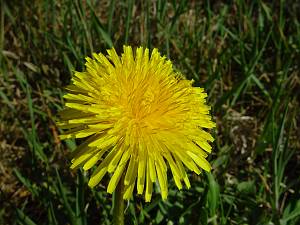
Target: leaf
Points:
(203, 216)
(23, 218)
(63, 195)
(246, 187)
(287, 216)
(159, 217)
(26, 182)
(32, 67)
(213, 194)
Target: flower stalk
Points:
(118, 210)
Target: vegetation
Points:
(244, 53)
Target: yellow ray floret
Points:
(141, 118)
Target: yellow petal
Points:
(101, 170)
(148, 193)
(201, 162)
(128, 192)
(162, 179)
(117, 174)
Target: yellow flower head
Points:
(141, 119)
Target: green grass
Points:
(246, 55)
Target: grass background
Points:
(246, 54)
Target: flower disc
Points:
(140, 118)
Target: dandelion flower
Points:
(141, 118)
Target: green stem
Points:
(118, 211)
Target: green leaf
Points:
(27, 183)
(159, 217)
(23, 219)
(246, 187)
(213, 194)
(287, 216)
(63, 195)
(203, 218)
